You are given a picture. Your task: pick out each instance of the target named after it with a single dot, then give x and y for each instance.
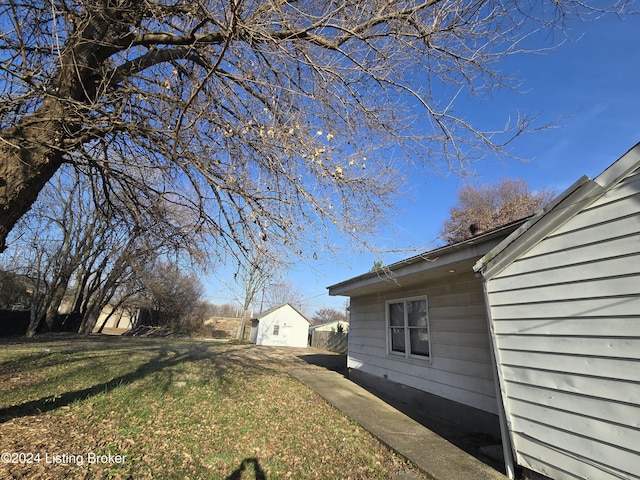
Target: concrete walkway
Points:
(435, 456)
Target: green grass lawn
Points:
(113, 407)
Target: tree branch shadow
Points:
(53, 402)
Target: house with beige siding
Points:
(531, 330)
(563, 294)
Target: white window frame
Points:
(407, 336)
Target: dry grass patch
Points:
(173, 409)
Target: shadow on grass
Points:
(220, 366)
(251, 463)
(163, 360)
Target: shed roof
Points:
(564, 207)
(278, 307)
(435, 263)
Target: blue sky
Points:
(590, 84)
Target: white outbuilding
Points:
(281, 326)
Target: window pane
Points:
(417, 313)
(397, 339)
(396, 314)
(419, 341)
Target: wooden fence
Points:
(331, 341)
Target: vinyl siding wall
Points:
(566, 319)
(460, 365)
(293, 329)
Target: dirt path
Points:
(286, 358)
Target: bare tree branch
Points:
(484, 207)
(261, 118)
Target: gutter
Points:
(423, 261)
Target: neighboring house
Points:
(334, 326)
(564, 304)
(542, 343)
(280, 326)
(118, 320)
(418, 329)
(121, 319)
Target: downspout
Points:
(507, 449)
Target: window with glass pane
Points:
(418, 327)
(396, 326)
(408, 327)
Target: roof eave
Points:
(437, 258)
(620, 168)
(578, 196)
(554, 214)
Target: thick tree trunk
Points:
(52, 317)
(35, 316)
(34, 322)
(33, 326)
(90, 317)
(33, 149)
(30, 153)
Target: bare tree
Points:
(65, 211)
(281, 290)
(171, 294)
(40, 291)
(75, 247)
(484, 207)
(254, 272)
(325, 315)
(225, 310)
(14, 290)
(43, 255)
(263, 118)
